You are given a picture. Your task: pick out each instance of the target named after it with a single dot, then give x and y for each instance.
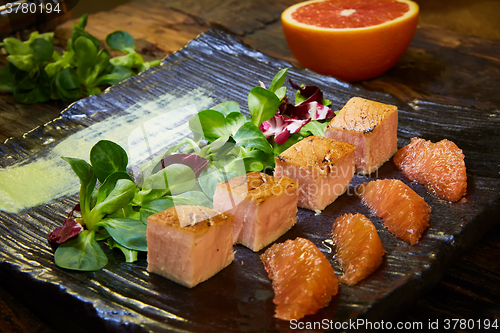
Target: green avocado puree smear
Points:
(143, 130)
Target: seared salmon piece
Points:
(303, 279)
(359, 250)
(323, 168)
(404, 212)
(264, 207)
(189, 244)
(371, 126)
(439, 166)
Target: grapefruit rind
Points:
(413, 10)
(352, 54)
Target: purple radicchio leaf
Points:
(311, 111)
(312, 108)
(281, 127)
(68, 230)
(311, 93)
(194, 161)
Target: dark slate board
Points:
(124, 297)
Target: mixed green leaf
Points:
(225, 143)
(38, 73)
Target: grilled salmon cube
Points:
(323, 168)
(189, 244)
(264, 207)
(371, 126)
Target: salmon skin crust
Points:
(303, 279)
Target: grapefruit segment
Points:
(440, 167)
(404, 212)
(303, 279)
(359, 248)
(350, 40)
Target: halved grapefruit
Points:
(351, 40)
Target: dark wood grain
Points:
(15, 317)
(237, 17)
(445, 67)
(469, 290)
(17, 119)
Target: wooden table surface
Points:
(441, 65)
